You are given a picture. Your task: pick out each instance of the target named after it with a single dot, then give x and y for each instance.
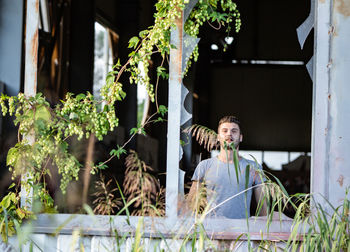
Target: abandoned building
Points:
(284, 75)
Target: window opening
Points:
(142, 99)
(251, 155)
(103, 60)
(262, 79)
(107, 62)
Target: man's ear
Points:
(240, 138)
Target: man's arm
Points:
(259, 196)
(196, 198)
(191, 196)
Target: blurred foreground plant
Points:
(325, 228)
(10, 212)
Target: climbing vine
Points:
(43, 130)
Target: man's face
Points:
(230, 133)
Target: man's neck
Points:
(226, 156)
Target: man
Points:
(225, 183)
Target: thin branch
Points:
(130, 138)
(156, 94)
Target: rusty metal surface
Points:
(31, 47)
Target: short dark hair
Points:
(230, 119)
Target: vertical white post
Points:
(30, 71)
(174, 119)
(331, 107)
(339, 103)
(319, 171)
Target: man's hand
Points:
(259, 196)
(258, 193)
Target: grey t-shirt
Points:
(221, 183)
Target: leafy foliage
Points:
(10, 211)
(204, 136)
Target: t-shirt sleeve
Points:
(199, 172)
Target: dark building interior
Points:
(261, 78)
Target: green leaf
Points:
(247, 173)
(142, 131)
(113, 152)
(4, 96)
(21, 214)
(162, 110)
(3, 231)
(80, 97)
(38, 95)
(134, 131)
(213, 3)
(102, 166)
(12, 185)
(43, 113)
(159, 119)
(122, 94)
(133, 42)
(12, 157)
(143, 33)
(110, 78)
(118, 65)
(6, 201)
(182, 143)
(160, 69)
(236, 163)
(40, 126)
(126, 204)
(131, 54)
(120, 151)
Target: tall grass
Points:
(324, 228)
(313, 229)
